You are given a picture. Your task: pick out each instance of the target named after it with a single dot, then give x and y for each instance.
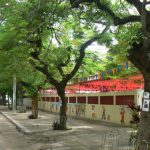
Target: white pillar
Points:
(14, 93)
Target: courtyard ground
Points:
(38, 134)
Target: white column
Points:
(114, 99)
(14, 93)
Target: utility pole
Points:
(14, 93)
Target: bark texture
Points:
(35, 107)
(63, 107)
(139, 55)
(3, 94)
(20, 95)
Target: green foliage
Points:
(91, 65)
(124, 37)
(61, 33)
(55, 32)
(33, 83)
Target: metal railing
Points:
(140, 144)
(119, 140)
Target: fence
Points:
(119, 140)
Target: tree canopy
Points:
(51, 37)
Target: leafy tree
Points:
(134, 16)
(51, 38)
(61, 68)
(5, 78)
(27, 77)
(31, 85)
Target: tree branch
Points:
(63, 64)
(41, 69)
(147, 3)
(132, 18)
(137, 4)
(117, 20)
(60, 70)
(76, 3)
(45, 71)
(82, 54)
(35, 55)
(106, 9)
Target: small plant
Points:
(31, 117)
(56, 125)
(135, 119)
(135, 113)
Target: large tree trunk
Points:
(20, 95)
(63, 108)
(139, 55)
(63, 116)
(34, 107)
(144, 125)
(3, 98)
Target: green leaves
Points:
(50, 34)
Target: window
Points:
(47, 99)
(124, 100)
(106, 100)
(81, 99)
(72, 99)
(93, 100)
(52, 99)
(57, 99)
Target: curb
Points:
(19, 127)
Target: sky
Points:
(101, 49)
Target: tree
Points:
(51, 37)
(138, 47)
(61, 71)
(60, 60)
(5, 78)
(31, 86)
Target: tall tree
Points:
(31, 86)
(51, 37)
(61, 61)
(122, 13)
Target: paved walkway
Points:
(84, 135)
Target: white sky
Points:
(101, 49)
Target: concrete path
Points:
(84, 135)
